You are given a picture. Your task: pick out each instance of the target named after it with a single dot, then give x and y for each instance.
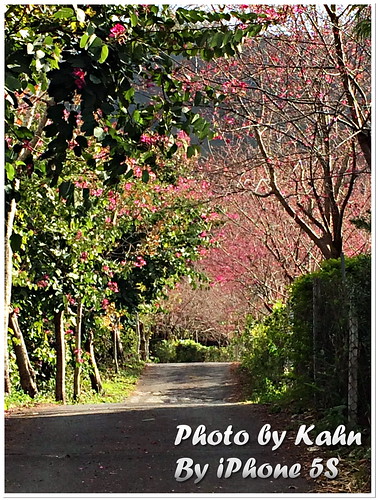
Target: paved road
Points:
(185, 384)
(129, 447)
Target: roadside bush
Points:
(165, 351)
(188, 351)
(332, 298)
(302, 349)
(267, 355)
(224, 353)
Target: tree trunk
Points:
(78, 350)
(352, 364)
(144, 343)
(118, 342)
(27, 374)
(95, 375)
(138, 336)
(325, 242)
(10, 209)
(60, 377)
(115, 350)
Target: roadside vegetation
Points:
(116, 387)
(189, 185)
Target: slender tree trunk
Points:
(144, 343)
(60, 377)
(115, 350)
(316, 328)
(10, 209)
(138, 336)
(27, 374)
(118, 341)
(352, 364)
(78, 350)
(95, 375)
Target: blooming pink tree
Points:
(290, 161)
(295, 121)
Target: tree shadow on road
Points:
(131, 450)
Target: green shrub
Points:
(223, 353)
(266, 357)
(288, 354)
(189, 351)
(165, 351)
(321, 355)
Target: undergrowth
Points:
(116, 387)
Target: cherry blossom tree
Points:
(291, 161)
(296, 114)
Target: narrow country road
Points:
(130, 447)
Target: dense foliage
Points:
(189, 351)
(102, 215)
(302, 350)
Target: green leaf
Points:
(195, 118)
(129, 94)
(10, 171)
(192, 151)
(198, 98)
(83, 40)
(48, 40)
(217, 40)
(172, 150)
(64, 13)
(66, 189)
(136, 116)
(238, 36)
(94, 41)
(254, 29)
(104, 54)
(94, 79)
(133, 19)
(129, 174)
(12, 83)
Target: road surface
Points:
(130, 447)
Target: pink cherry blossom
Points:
(105, 303)
(80, 77)
(113, 286)
(140, 262)
(84, 256)
(117, 30)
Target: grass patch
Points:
(116, 388)
(18, 399)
